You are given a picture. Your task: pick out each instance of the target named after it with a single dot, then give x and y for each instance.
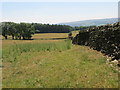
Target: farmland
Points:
(51, 61)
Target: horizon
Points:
(61, 22)
(57, 12)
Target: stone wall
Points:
(105, 39)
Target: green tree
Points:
(12, 29)
(5, 28)
(27, 30)
(70, 35)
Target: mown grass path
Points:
(78, 67)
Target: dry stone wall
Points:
(102, 38)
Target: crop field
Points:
(51, 61)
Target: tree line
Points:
(17, 31)
(83, 27)
(54, 28)
(26, 30)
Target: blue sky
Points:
(57, 12)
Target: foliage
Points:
(5, 29)
(82, 27)
(47, 28)
(17, 31)
(25, 30)
(70, 35)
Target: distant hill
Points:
(96, 22)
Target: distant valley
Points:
(92, 22)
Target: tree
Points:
(17, 31)
(54, 28)
(70, 35)
(12, 30)
(5, 28)
(27, 30)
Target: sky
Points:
(57, 12)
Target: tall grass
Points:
(11, 53)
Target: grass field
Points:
(49, 62)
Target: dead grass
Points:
(37, 37)
(50, 35)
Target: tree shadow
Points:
(38, 39)
(49, 38)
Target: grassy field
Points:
(49, 62)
